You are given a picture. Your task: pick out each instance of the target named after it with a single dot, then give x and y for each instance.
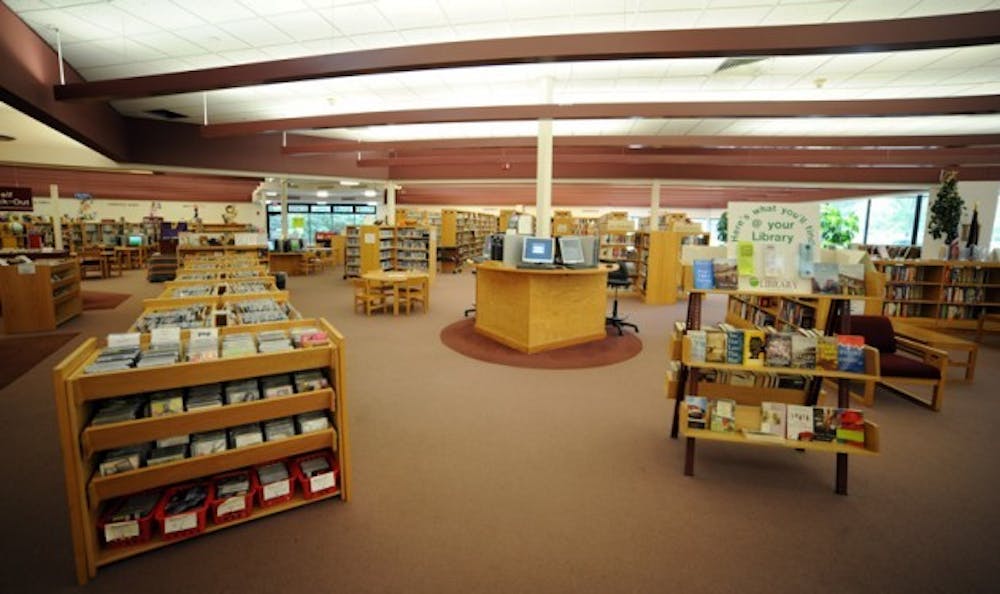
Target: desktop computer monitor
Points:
(538, 250)
(571, 250)
(134, 240)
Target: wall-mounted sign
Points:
(83, 196)
(16, 199)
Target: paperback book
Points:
(697, 411)
(772, 418)
(715, 346)
(799, 422)
(698, 340)
(724, 415)
(778, 349)
(825, 423)
(851, 429)
(704, 277)
(826, 352)
(753, 351)
(726, 276)
(850, 353)
(803, 351)
(734, 346)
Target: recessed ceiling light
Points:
(348, 182)
(635, 146)
(6, 138)
(322, 194)
(370, 193)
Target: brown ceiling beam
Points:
(318, 146)
(983, 104)
(956, 30)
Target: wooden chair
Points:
(413, 290)
(370, 296)
(93, 264)
(902, 360)
(984, 319)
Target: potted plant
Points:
(722, 227)
(946, 211)
(836, 228)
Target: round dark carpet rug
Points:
(461, 337)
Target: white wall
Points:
(134, 210)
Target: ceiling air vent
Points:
(166, 114)
(731, 63)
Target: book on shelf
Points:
(826, 353)
(697, 411)
(803, 350)
(723, 415)
(772, 418)
(734, 344)
(778, 349)
(799, 422)
(704, 278)
(826, 278)
(698, 339)
(825, 423)
(726, 276)
(715, 346)
(753, 351)
(851, 429)
(850, 353)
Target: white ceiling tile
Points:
(255, 32)
(19, 5)
(216, 11)
(483, 30)
(428, 35)
(793, 64)
(937, 7)
(733, 17)
(463, 11)
(166, 15)
(358, 19)
(867, 80)
(683, 83)
(70, 27)
(245, 56)
(532, 9)
(207, 61)
(911, 60)
(655, 68)
(273, 7)
(693, 66)
(709, 127)
(769, 81)
(974, 76)
(870, 10)
(212, 38)
(653, 5)
(111, 18)
(970, 57)
(168, 44)
(666, 19)
(412, 14)
(329, 46)
(578, 7)
(851, 63)
(599, 23)
(305, 25)
(793, 14)
(377, 40)
(713, 4)
(679, 126)
(287, 51)
(89, 55)
(726, 83)
(549, 26)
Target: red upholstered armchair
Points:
(902, 361)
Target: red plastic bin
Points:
(231, 508)
(127, 533)
(189, 523)
(279, 492)
(321, 484)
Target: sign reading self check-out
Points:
(16, 199)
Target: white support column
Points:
(284, 209)
(390, 203)
(56, 217)
(543, 176)
(654, 206)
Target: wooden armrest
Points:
(937, 356)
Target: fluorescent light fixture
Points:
(370, 193)
(349, 182)
(271, 193)
(635, 146)
(321, 202)
(371, 203)
(322, 194)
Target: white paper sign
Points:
(165, 335)
(125, 339)
(26, 268)
(277, 489)
(231, 505)
(180, 522)
(121, 530)
(321, 482)
(369, 238)
(205, 333)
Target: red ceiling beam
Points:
(316, 145)
(955, 30)
(707, 109)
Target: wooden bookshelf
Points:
(77, 393)
(659, 277)
(40, 296)
(946, 294)
(462, 236)
(371, 247)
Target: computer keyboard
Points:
(538, 266)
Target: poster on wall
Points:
(774, 245)
(16, 199)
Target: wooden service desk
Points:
(291, 263)
(539, 310)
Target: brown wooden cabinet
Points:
(40, 296)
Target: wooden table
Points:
(534, 310)
(127, 257)
(396, 278)
(945, 342)
(291, 263)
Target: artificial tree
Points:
(946, 210)
(722, 227)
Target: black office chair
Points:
(619, 279)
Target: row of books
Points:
(967, 274)
(718, 273)
(800, 314)
(965, 295)
(754, 379)
(828, 278)
(904, 310)
(961, 312)
(903, 273)
(904, 292)
(804, 348)
(780, 421)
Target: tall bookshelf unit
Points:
(659, 277)
(371, 247)
(947, 294)
(462, 236)
(42, 299)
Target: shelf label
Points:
(121, 530)
(369, 238)
(278, 489)
(125, 339)
(180, 522)
(321, 482)
(26, 268)
(232, 505)
(165, 335)
(204, 333)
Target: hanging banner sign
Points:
(16, 199)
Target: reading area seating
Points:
(902, 360)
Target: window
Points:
(892, 220)
(305, 220)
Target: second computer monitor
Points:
(571, 250)
(538, 250)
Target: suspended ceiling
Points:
(807, 92)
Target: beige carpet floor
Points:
(472, 477)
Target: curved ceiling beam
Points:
(701, 109)
(956, 30)
(313, 145)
